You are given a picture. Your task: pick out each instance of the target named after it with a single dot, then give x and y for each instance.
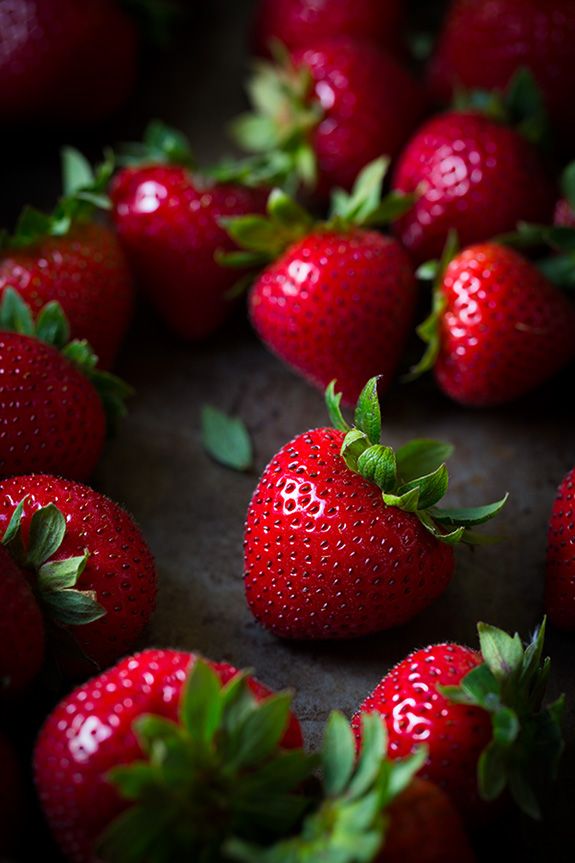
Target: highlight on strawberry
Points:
(79, 569)
(482, 715)
(345, 536)
(56, 405)
(170, 756)
(72, 257)
(167, 214)
(335, 298)
(499, 327)
(301, 110)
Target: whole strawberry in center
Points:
(343, 536)
(339, 298)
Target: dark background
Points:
(192, 511)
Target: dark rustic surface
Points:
(192, 511)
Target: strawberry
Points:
(344, 536)
(498, 329)
(480, 715)
(11, 797)
(339, 299)
(306, 22)
(70, 258)
(187, 753)
(168, 223)
(472, 174)
(52, 66)
(21, 629)
(54, 403)
(560, 573)
(483, 44)
(370, 808)
(319, 107)
(86, 560)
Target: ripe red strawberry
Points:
(480, 716)
(472, 175)
(52, 65)
(343, 536)
(54, 403)
(339, 299)
(168, 222)
(321, 109)
(483, 45)
(560, 575)
(11, 797)
(499, 328)
(159, 730)
(306, 22)
(92, 569)
(425, 827)
(21, 630)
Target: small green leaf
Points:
(338, 754)
(52, 325)
(468, 516)
(483, 687)
(404, 771)
(431, 488)
(76, 171)
(72, 607)
(368, 411)
(421, 457)
(47, 529)
(61, 574)
(13, 528)
(492, 771)
(408, 502)
(226, 439)
(354, 444)
(502, 653)
(261, 731)
(377, 464)
(285, 211)
(15, 314)
(506, 726)
(170, 143)
(372, 752)
(201, 705)
(152, 731)
(333, 402)
(428, 271)
(452, 537)
(357, 207)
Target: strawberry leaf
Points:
(368, 411)
(61, 574)
(377, 464)
(226, 439)
(72, 607)
(338, 754)
(333, 402)
(420, 457)
(47, 529)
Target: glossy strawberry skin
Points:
(169, 226)
(305, 22)
(325, 557)
(120, 569)
(472, 175)
(51, 417)
(87, 273)
(362, 121)
(415, 713)
(425, 827)
(337, 305)
(483, 45)
(560, 573)
(51, 61)
(11, 797)
(90, 732)
(21, 629)
(505, 328)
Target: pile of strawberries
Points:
(359, 186)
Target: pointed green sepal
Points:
(333, 403)
(161, 145)
(368, 411)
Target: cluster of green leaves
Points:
(527, 742)
(55, 582)
(160, 145)
(218, 786)
(413, 478)
(51, 326)
(84, 190)
(226, 439)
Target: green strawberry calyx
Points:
(51, 327)
(262, 239)
(350, 821)
(524, 753)
(218, 773)
(84, 193)
(521, 105)
(413, 478)
(160, 145)
(55, 582)
(429, 331)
